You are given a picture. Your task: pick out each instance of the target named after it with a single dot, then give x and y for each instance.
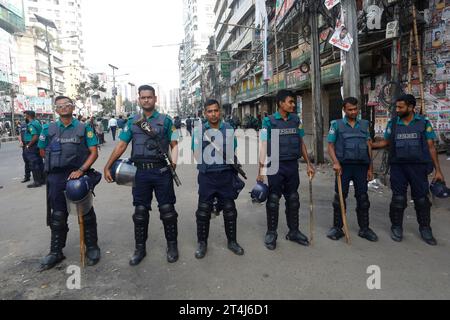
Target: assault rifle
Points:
(235, 164)
(148, 130)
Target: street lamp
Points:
(114, 89)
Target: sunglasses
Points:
(60, 106)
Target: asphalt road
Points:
(325, 270)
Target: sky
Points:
(122, 33)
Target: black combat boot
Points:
(272, 210)
(397, 209)
(58, 242)
(336, 232)
(202, 247)
(203, 215)
(423, 208)
(141, 219)
(427, 235)
(362, 213)
(169, 218)
(292, 212)
(230, 221)
(90, 237)
(38, 180)
(27, 176)
(59, 229)
(230, 228)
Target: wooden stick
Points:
(82, 244)
(419, 61)
(311, 211)
(410, 58)
(344, 215)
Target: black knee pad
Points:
(167, 212)
(141, 215)
(399, 202)
(59, 221)
(273, 202)
(90, 219)
(293, 201)
(204, 211)
(229, 210)
(363, 202)
(422, 203)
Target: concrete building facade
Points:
(198, 21)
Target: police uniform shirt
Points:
(34, 128)
(265, 133)
(429, 132)
(91, 139)
(334, 129)
(127, 135)
(197, 140)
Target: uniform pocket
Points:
(414, 150)
(363, 152)
(401, 150)
(138, 149)
(408, 150)
(351, 151)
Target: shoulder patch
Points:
(90, 134)
(429, 129)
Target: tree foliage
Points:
(108, 105)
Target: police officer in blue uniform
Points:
(70, 149)
(215, 177)
(152, 173)
(23, 130)
(287, 126)
(413, 156)
(350, 150)
(31, 139)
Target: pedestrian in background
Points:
(21, 137)
(112, 125)
(121, 124)
(31, 138)
(99, 131)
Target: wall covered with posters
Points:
(437, 64)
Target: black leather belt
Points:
(149, 165)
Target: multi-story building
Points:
(11, 22)
(174, 101)
(67, 38)
(383, 57)
(234, 39)
(198, 22)
(35, 69)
